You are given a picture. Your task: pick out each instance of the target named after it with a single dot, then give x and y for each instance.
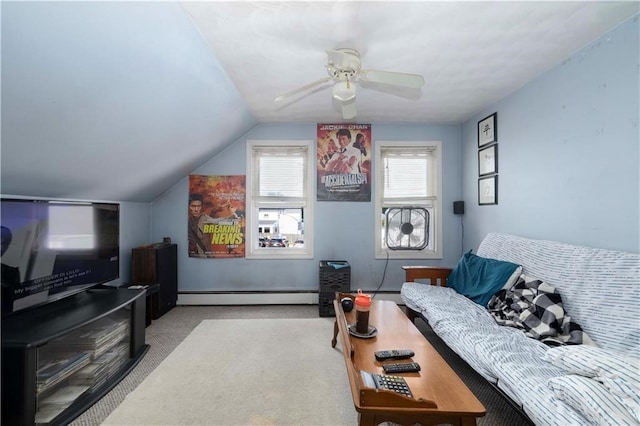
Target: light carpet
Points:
(246, 372)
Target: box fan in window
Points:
(407, 228)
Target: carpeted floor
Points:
(246, 372)
(166, 333)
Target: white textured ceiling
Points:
(470, 53)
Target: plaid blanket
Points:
(536, 307)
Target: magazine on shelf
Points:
(99, 334)
(59, 363)
(99, 370)
(96, 338)
(93, 383)
(120, 356)
(45, 415)
(65, 396)
(55, 367)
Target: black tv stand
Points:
(99, 326)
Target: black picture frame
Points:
(488, 130)
(488, 160)
(488, 190)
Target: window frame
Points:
(436, 252)
(254, 202)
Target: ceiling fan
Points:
(344, 69)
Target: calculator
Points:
(392, 383)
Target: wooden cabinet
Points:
(157, 264)
(60, 358)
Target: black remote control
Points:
(394, 354)
(406, 367)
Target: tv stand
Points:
(59, 359)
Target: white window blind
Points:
(281, 172)
(407, 173)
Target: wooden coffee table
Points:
(439, 395)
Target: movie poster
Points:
(344, 162)
(216, 216)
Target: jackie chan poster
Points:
(344, 162)
(216, 212)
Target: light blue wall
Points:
(567, 151)
(568, 171)
(135, 227)
(343, 230)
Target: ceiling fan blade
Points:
(413, 81)
(301, 89)
(398, 91)
(349, 109)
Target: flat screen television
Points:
(54, 249)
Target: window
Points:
(408, 174)
(280, 179)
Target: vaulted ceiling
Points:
(122, 100)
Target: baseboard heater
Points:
(285, 297)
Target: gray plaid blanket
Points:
(536, 307)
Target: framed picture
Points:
(488, 160)
(488, 130)
(488, 190)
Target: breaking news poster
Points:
(216, 216)
(344, 162)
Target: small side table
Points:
(151, 298)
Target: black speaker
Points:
(458, 207)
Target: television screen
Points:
(53, 249)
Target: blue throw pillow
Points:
(479, 278)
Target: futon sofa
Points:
(554, 382)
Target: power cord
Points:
(461, 237)
(384, 273)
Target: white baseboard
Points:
(263, 298)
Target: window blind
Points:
(281, 172)
(407, 173)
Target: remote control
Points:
(394, 354)
(406, 367)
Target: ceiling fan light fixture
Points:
(344, 69)
(344, 90)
